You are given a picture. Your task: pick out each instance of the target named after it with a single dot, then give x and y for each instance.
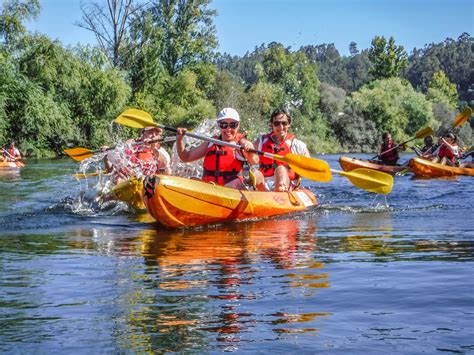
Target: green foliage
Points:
(354, 132)
(51, 98)
(13, 13)
(297, 88)
(454, 57)
(393, 106)
(445, 115)
(442, 90)
(388, 59)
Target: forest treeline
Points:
(160, 56)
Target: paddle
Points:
(425, 132)
(18, 162)
(80, 154)
(87, 175)
(310, 168)
(462, 118)
(369, 180)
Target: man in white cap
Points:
(222, 164)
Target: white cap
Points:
(228, 112)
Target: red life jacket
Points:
(221, 164)
(391, 156)
(445, 151)
(144, 158)
(13, 152)
(269, 144)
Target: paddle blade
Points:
(79, 154)
(425, 132)
(135, 119)
(309, 168)
(463, 117)
(370, 180)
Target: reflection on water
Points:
(222, 285)
(352, 275)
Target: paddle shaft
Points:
(92, 152)
(11, 156)
(219, 142)
(397, 146)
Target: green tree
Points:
(388, 59)
(393, 106)
(441, 89)
(454, 57)
(13, 14)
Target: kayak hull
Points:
(349, 164)
(130, 191)
(426, 168)
(11, 165)
(179, 202)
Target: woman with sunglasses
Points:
(222, 164)
(274, 175)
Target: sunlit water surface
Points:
(359, 273)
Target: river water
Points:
(358, 274)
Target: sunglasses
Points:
(278, 123)
(224, 125)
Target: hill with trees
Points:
(160, 56)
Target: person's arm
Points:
(453, 148)
(246, 145)
(188, 156)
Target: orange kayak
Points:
(349, 164)
(426, 168)
(11, 164)
(180, 202)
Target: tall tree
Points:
(454, 57)
(169, 36)
(12, 16)
(388, 59)
(109, 22)
(441, 89)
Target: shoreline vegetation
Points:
(54, 97)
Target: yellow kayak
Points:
(426, 168)
(130, 191)
(180, 202)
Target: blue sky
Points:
(243, 24)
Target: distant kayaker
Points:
(388, 151)
(274, 175)
(11, 153)
(222, 165)
(448, 152)
(429, 147)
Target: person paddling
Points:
(143, 155)
(388, 151)
(448, 152)
(275, 175)
(222, 165)
(12, 153)
(429, 147)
